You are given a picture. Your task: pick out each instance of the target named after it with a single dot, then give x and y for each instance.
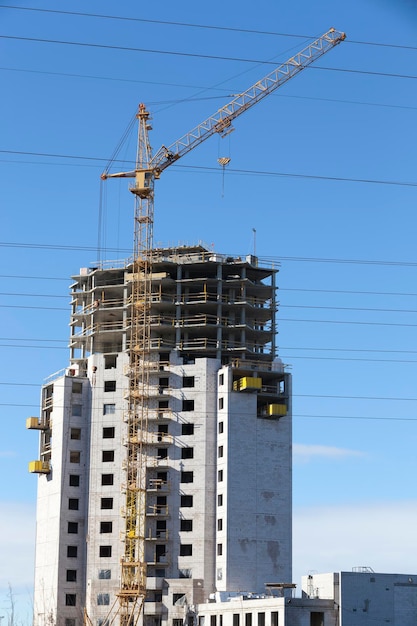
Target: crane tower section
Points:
(148, 168)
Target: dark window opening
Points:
(187, 429)
(188, 405)
(110, 361)
(72, 552)
(186, 549)
(108, 432)
(186, 525)
(188, 381)
(106, 503)
(107, 479)
(73, 528)
(187, 477)
(316, 618)
(109, 385)
(176, 597)
(71, 575)
(107, 455)
(74, 456)
(186, 501)
(73, 504)
(74, 480)
(70, 599)
(187, 453)
(105, 551)
(106, 527)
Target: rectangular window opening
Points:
(106, 527)
(107, 456)
(187, 429)
(110, 361)
(105, 551)
(186, 525)
(75, 433)
(72, 552)
(74, 480)
(187, 477)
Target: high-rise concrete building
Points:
(217, 445)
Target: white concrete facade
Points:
(218, 446)
(365, 597)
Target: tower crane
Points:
(149, 167)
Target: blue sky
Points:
(337, 211)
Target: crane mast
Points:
(149, 167)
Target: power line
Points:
(360, 323)
(350, 292)
(294, 415)
(201, 26)
(34, 295)
(343, 179)
(270, 260)
(297, 395)
(86, 44)
(192, 99)
(297, 289)
(245, 172)
(196, 55)
(14, 276)
(280, 306)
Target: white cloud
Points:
(7, 454)
(334, 538)
(302, 453)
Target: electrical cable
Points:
(197, 55)
(239, 172)
(201, 26)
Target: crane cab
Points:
(143, 186)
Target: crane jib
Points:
(225, 115)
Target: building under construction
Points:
(217, 451)
(165, 445)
